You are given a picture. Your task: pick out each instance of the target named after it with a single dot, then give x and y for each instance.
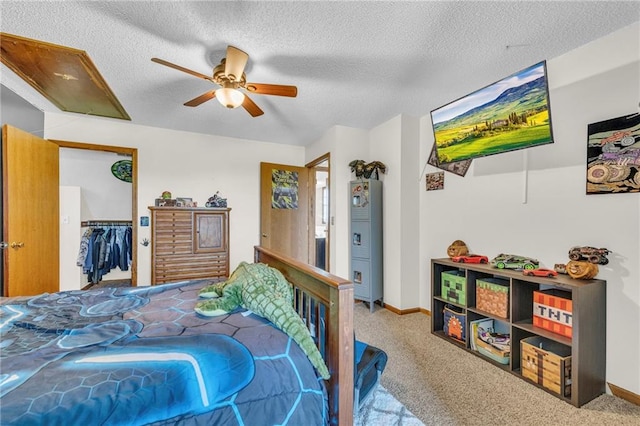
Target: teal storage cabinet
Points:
(366, 240)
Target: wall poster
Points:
(457, 167)
(284, 189)
(613, 155)
(435, 181)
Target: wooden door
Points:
(30, 173)
(284, 209)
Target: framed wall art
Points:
(613, 155)
(458, 167)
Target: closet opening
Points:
(98, 208)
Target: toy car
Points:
(497, 340)
(511, 261)
(471, 258)
(592, 254)
(540, 272)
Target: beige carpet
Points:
(381, 408)
(442, 384)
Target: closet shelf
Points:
(106, 223)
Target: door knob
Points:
(17, 245)
(264, 235)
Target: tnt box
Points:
(546, 363)
(552, 310)
(453, 287)
(492, 296)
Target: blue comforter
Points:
(136, 356)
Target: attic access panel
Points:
(65, 76)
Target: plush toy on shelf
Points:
(457, 248)
(582, 270)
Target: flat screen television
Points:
(510, 114)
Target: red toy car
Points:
(540, 272)
(471, 258)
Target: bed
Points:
(142, 355)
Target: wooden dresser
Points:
(189, 243)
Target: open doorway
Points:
(103, 198)
(319, 244)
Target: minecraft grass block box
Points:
(492, 296)
(552, 310)
(454, 287)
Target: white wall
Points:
(493, 211)
(71, 277)
(188, 165)
(104, 197)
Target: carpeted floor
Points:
(381, 408)
(443, 385)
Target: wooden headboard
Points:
(325, 302)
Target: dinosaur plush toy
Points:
(266, 292)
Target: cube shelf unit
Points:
(587, 343)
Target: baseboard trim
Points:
(624, 394)
(406, 311)
(400, 311)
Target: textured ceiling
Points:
(355, 64)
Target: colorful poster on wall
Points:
(613, 156)
(284, 189)
(435, 181)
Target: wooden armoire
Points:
(189, 243)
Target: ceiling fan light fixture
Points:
(231, 98)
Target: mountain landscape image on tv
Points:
(511, 114)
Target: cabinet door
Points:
(360, 204)
(361, 277)
(361, 239)
(210, 232)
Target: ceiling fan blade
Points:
(235, 62)
(201, 99)
(272, 89)
(183, 69)
(251, 107)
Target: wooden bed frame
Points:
(325, 302)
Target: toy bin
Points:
(553, 311)
(492, 296)
(454, 287)
(547, 363)
(491, 338)
(455, 323)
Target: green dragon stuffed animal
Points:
(266, 292)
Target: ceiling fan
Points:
(230, 76)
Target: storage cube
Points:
(455, 323)
(453, 287)
(498, 348)
(492, 296)
(547, 363)
(552, 310)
